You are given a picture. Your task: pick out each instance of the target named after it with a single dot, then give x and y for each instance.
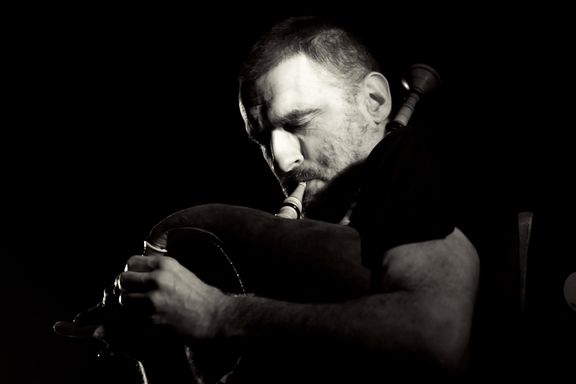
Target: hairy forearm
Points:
(394, 322)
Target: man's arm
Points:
(422, 310)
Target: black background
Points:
(120, 117)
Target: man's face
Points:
(312, 128)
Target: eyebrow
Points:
(295, 116)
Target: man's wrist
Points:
(228, 315)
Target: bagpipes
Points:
(240, 251)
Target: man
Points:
(313, 98)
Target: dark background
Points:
(122, 117)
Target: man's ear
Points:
(377, 96)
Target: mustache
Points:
(298, 175)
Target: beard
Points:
(334, 153)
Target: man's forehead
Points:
(295, 78)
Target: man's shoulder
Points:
(405, 195)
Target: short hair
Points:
(329, 45)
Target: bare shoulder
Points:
(451, 262)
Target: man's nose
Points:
(286, 150)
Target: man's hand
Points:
(161, 289)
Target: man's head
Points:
(312, 97)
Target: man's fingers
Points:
(69, 329)
(137, 302)
(91, 316)
(141, 263)
(134, 282)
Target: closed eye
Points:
(297, 120)
(295, 127)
